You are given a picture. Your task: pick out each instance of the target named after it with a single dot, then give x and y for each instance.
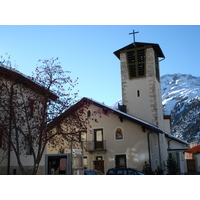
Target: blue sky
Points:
(87, 51)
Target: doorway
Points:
(120, 161)
(99, 164)
(191, 165)
(57, 164)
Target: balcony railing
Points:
(95, 146)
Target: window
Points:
(30, 109)
(136, 62)
(131, 172)
(121, 172)
(138, 93)
(88, 113)
(99, 158)
(111, 172)
(120, 161)
(98, 138)
(85, 162)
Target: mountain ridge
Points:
(181, 99)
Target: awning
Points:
(194, 149)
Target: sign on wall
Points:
(188, 156)
(77, 152)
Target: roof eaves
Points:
(132, 118)
(193, 149)
(175, 138)
(117, 112)
(28, 81)
(155, 46)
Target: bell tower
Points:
(140, 78)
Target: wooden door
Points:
(191, 165)
(99, 165)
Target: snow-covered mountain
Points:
(178, 88)
(181, 100)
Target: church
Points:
(99, 137)
(136, 132)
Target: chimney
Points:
(122, 108)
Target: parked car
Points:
(123, 171)
(92, 172)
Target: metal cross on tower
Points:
(133, 33)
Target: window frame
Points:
(135, 59)
(98, 144)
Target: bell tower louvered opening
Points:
(136, 62)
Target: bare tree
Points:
(36, 111)
(28, 105)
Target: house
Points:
(135, 133)
(21, 105)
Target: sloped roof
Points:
(156, 48)
(129, 117)
(17, 76)
(121, 114)
(194, 149)
(117, 112)
(175, 138)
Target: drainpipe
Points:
(169, 143)
(159, 149)
(149, 147)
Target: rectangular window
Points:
(85, 162)
(136, 62)
(30, 109)
(138, 93)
